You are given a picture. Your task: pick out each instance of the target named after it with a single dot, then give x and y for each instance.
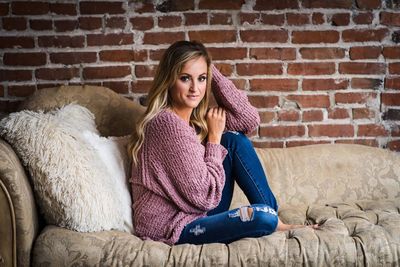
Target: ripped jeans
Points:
(258, 219)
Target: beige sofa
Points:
(352, 191)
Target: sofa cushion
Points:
(73, 186)
(361, 233)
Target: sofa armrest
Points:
(19, 219)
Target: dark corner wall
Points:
(319, 71)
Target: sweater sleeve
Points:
(191, 176)
(241, 115)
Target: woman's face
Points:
(190, 86)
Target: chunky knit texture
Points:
(178, 179)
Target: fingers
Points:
(217, 112)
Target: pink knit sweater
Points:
(178, 179)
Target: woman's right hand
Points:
(216, 119)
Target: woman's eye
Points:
(184, 78)
(202, 78)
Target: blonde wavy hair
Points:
(168, 70)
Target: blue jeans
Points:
(224, 226)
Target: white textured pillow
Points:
(73, 186)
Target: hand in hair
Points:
(216, 119)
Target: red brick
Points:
(221, 19)
(118, 87)
(282, 131)
(16, 42)
(142, 6)
(209, 36)
(362, 68)
(169, 21)
(90, 23)
(195, 19)
(263, 5)
(24, 59)
(363, 113)
(15, 75)
(364, 142)
(310, 101)
(394, 68)
(364, 52)
(272, 19)
(392, 115)
(312, 115)
(4, 8)
(364, 35)
(392, 52)
(61, 41)
(305, 143)
(249, 69)
(318, 18)
(264, 101)
(106, 72)
(63, 9)
(390, 99)
(225, 69)
(239, 83)
(267, 116)
(269, 36)
(288, 115)
(297, 19)
(310, 37)
(228, 53)
(141, 86)
(350, 98)
(29, 8)
(363, 18)
(390, 19)
(273, 85)
(69, 58)
(368, 4)
(340, 19)
(9, 106)
(1, 86)
(142, 23)
(251, 18)
(109, 39)
(366, 83)
(346, 4)
(221, 4)
(21, 90)
(142, 71)
(175, 5)
(123, 55)
(371, 130)
(158, 38)
(273, 53)
(394, 145)
(55, 84)
(116, 22)
(324, 84)
(101, 8)
(311, 68)
(156, 54)
(331, 130)
(267, 144)
(65, 25)
(56, 73)
(14, 24)
(41, 24)
(392, 83)
(322, 53)
(338, 113)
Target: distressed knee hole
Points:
(246, 214)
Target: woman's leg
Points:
(251, 221)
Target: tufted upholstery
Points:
(352, 191)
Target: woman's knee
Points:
(265, 217)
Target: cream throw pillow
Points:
(74, 183)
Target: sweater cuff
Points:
(215, 151)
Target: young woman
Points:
(186, 157)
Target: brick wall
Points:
(320, 71)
